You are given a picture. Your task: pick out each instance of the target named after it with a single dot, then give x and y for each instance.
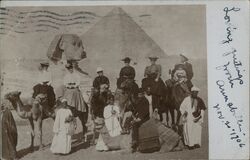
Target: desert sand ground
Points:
(81, 151)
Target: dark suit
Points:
(141, 111)
(99, 81)
(127, 72)
(47, 90)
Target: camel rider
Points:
(127, 72)
(180, 74)
(44, 87)
(100, 80)
(180, 77)
(153, 80)
(152, 73)
(188, 68)
(154, 70)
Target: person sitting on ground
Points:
(100, 79)
(192, 110)
(141, 115)
(112, 117)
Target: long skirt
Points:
(61, 143)
(75, 99)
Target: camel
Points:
(33, 111)
(174, 97)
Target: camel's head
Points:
(41, 98)
(13, 97)
(66, 45)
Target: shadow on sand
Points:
(77, 144)
(23, 152)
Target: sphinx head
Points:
(69, 46)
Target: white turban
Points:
(64, 100)
(194, 88)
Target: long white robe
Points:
(191, 130)
(111, 121)
(61, 142)
(149, 98)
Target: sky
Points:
(175, 28)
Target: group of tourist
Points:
(150, 99)
(146, 102)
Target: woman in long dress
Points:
(63, 129)
(72, 92)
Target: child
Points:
(63, 129)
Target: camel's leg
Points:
(179, 130)
(81, 116)
(178, 117)
(172, 116)
(40, 134)
(94, 133)
(32, 134)
(167, 116)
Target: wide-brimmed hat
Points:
(99, 69)
(194, 88)
(44, 63)
(153, 57)
(183, 56)
(126, 59)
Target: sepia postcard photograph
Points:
(118, 81)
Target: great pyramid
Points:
(114, 37)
